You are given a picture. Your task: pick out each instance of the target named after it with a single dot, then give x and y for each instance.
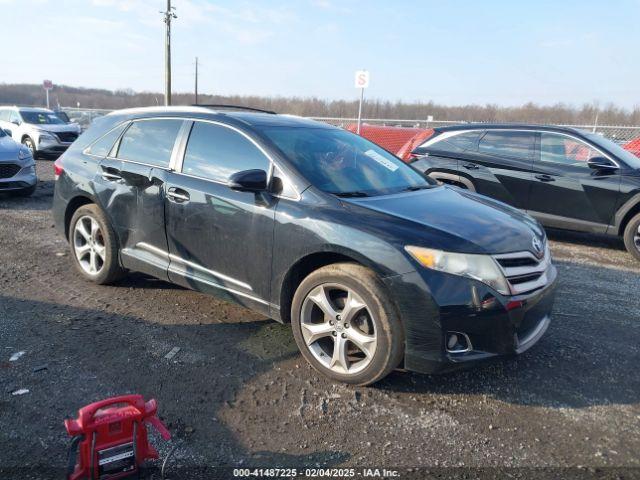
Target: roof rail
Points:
(233, 107)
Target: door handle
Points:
(111, 174)
(178, 195)
(471, 166)
(545, 178)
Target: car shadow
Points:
(40, 200)
(92, 354)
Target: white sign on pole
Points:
(362, 79)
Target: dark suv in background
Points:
(564, 177)
(371, 262)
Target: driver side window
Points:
(215, 152)
(565, 150)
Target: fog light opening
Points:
(458, 342)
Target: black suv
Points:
(371, 262)
(564, 177)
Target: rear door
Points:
(220, 240)
(129, 184)
(565, 192)
(445, 154)
(501, 168)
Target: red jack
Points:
(112, 437)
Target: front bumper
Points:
(432, 304)
(25, 178)
(52, 146)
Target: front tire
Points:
(345, 324)
(632, 236)
(94, 247)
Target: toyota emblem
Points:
(537, 247)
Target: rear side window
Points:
(102, 146)
(150, 141)
(508, 144)
(216, 152)
(4, 115)
(456, 143)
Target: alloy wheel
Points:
(88, 245)
(338, 328)
(29, 144)
(636, 238)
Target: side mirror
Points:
(249, 181)
(15, 122)
(601, 163)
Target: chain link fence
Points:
(621, 134)
(618, 133)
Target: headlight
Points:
(24, 154)
(479, 267)
(47, 137)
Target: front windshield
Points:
(339, 162)
(626, 156)
(41, 118)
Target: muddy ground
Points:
(238, 393)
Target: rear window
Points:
(150, 141)
(102, 146)
(456, 143)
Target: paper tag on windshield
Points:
(381, 160)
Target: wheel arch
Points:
(452, 179)
(74, 204)
(627, 212)
(310, 263)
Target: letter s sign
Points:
(362, 79)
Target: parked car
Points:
(62, 115)
(17, 168)
(39, 129)
(564, 177)
(371, 262)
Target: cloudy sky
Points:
(453, 52)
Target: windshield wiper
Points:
(415, 188)
(350, 194)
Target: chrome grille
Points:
(67, 137)
(524, 271)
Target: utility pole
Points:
(168, 16)
(196, 91)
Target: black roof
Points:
(248, 118)
(509, 126)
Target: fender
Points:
(628, 206)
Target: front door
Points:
(129, 183)
(220, 240)
(565, 192)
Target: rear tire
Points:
(632, 236)
(94, 247)
(346, 325)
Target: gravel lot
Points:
(239, 394)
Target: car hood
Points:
(478, 223)
(8, 149)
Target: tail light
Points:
(58, 168)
